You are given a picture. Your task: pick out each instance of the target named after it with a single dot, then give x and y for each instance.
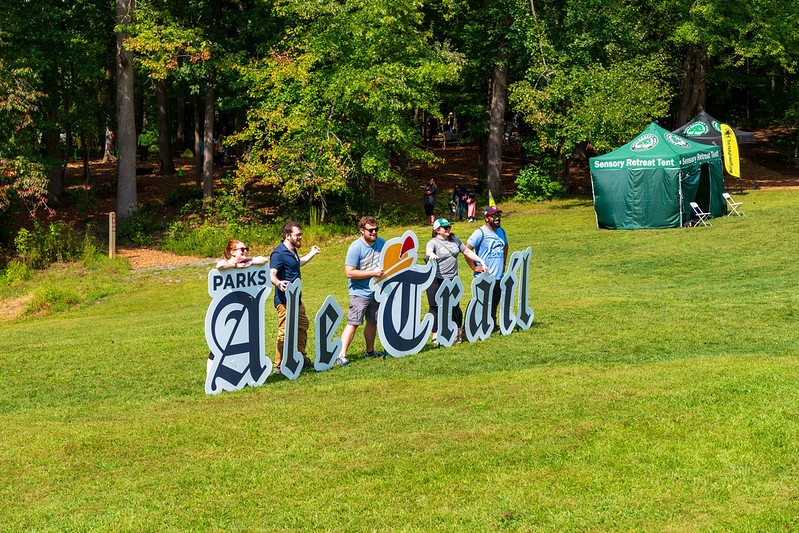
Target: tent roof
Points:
(653, 148)
(707, 130)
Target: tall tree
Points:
(490, 35)
(127, 203)
(496, 131)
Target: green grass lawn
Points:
(656, 390)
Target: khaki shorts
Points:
(361, 308)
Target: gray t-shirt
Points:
(447, 252)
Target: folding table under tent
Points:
(707, 130)
(651, 181)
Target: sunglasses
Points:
(243, 249)
(495, 216)
(371, 230)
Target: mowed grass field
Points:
(658, 389)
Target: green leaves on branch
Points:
(22, 175)
(606, 105)
(335, 100)
(161, 42)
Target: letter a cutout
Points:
(328, 345)
(234, 331)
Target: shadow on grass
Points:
(572, 202)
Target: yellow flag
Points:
(491, 201)
(732, 163)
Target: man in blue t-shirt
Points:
(361, 264)
(491, 245)
(284, 267)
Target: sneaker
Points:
(374, 354)
(276, 369)
(342, 361)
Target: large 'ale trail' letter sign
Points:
(234, 328)
(234, 324)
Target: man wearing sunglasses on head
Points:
(490, 243)
(361, 264)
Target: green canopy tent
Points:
(650, 181)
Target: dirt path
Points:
(146, 258)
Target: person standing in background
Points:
(429, 200)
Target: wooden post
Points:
(112, 234)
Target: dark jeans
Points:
(457, 314)
(495, 297)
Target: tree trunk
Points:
(85, 153)
(208, 142)
(198, 145)
(55, 176)
(126, 120)
(499, 99)
(181, 120)
(684, 111)
(700, 78)
(694, 85)
(164, 136)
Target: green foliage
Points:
(161, 42)
(209, 240)
(23, 181)
(229, 206)
(336, 98)
(606, 105)
(49, 244)
(534, 185)
(85, 200)
(141, 226)
(15, 273)
(182, 194)
(48, 298)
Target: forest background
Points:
(320, 104)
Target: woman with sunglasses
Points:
(236, 257)
(444, 248)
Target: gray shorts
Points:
(361, 308)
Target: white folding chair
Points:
(733, 205)
(704, 218)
